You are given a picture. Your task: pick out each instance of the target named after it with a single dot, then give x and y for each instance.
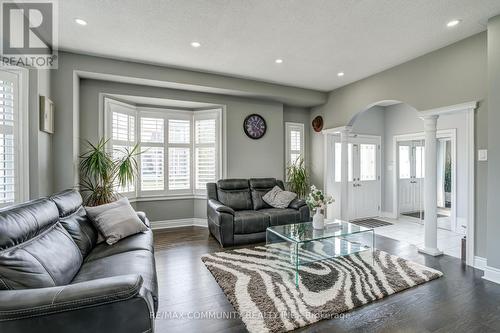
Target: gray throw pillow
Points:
(116, 220)
(278, 198)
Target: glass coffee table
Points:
(302, 244)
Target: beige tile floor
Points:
(406, 229)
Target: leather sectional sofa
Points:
(237, 214)
(54, 277)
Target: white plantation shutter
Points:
(152, 173)
(123, 127)
(294, 142)
(205, 166)
(121, 118)
(205, 131)
(9, 134)
(152, 130)
(206, 159)
(179, 177)
(179, 131)
(179, 154)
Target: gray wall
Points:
(40, 143)
(493, 254)
(246, 157)
(451, 75)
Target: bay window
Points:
(180, 150)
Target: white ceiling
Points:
(315, 38)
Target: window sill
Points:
(168, 197)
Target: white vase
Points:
(318, 220)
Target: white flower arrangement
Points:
(317, 199)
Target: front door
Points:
(411, 166)
(363, 174)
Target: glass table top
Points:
(304, 232)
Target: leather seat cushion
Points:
(278, 216)
(140, 262)
(140, 241)
(250, 221)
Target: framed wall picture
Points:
(46, 115)
(317, 124)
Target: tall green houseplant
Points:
(103, 172)
(297, 177)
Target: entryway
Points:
(394, 163)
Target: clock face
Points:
(254, 126)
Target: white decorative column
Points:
(344, 173)
(430, 187)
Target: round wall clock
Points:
(254, 126)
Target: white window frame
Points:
(21, 135)
(169, 114)
(202, 115)
(289, 126)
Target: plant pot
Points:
(318, 220)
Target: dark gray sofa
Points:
(54, 277)
(237, 214)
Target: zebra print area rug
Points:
(260, 284)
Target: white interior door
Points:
(411, 166)
(364, 185)
(364, 191)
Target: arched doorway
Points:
(387, 172)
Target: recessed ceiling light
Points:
(195, 44)
(453, 23)
(278, 61)
(340, 74)
(80, 21)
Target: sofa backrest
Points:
(234, 193)
(35, 249)
(73, 217)
(259, 187)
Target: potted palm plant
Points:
(297, 178)
(103, 172)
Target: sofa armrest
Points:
(219, 207)
(144, 218)
(297, 203)
(27, 303)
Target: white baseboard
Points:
(479, 263)
(388, 215)
(167, 224)
(492, 274)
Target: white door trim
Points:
(440, 134)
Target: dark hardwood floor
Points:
(460, 301)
